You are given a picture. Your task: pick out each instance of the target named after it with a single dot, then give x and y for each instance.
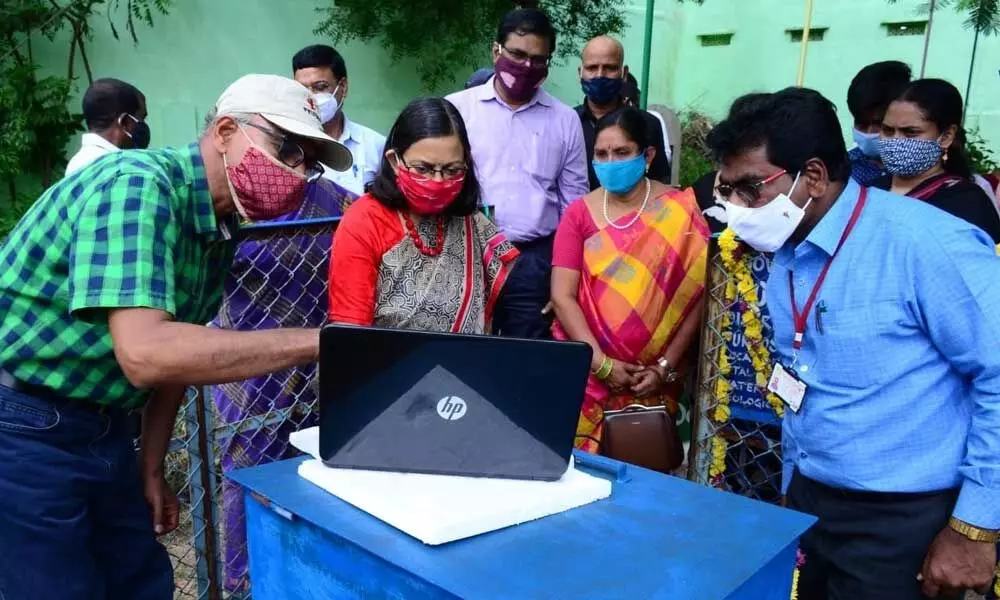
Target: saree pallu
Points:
(455, 291)
(276, 282)
(637, 287)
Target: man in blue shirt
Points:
(886, 317)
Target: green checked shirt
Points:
(134, 229)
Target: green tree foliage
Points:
(37, 123)
(982, 15)
(448, 37)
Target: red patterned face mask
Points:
(428, 196)
(262, 187)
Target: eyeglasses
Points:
(749, 192)
(425, 171)
(522, 57)
(289, 151)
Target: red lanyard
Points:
(801, 318)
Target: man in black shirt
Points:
(602, 71)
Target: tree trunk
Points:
(86, 61)
(972, 70)
(72, 57)
(11, 189)
(46, 170)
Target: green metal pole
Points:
(647, 50)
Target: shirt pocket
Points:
(851, 343)
(544, 155)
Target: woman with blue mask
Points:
(628, 277)
(923, 148)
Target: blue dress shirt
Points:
(901, 353)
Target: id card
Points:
(787, 386)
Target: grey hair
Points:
(213, 116)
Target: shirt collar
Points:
(92, 139)
(827, 233)
(486, 93)
(584, 110)
(349, 132)
(193, 168)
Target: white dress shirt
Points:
(367, 147)
(92, 147)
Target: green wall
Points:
(185, 61)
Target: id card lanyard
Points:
(800, 319)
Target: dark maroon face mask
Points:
(518, 80)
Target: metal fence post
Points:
(202, 500)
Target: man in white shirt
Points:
(322, 69)
(115, 113)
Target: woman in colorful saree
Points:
(628, 277)
(415, 253)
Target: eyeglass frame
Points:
(283, 141)
(436, 170)
(751, 189)
(525, 58)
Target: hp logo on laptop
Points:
(451, 408)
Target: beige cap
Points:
(289, 105)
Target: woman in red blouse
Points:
(415, 253)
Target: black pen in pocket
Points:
(820, 309)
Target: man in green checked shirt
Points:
(104, 285)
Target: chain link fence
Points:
(279, 279)
(737, 445)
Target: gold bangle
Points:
(976, 534)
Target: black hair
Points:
(875, 87)
(941, 104)
(107, 99)
(631, 121)
(793, 125)
(421, 119)
(527, 21)
(320, 56)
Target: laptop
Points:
(449, 404)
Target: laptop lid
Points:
(481, 406)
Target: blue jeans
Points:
(74, 523)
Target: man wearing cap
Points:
(103, 285)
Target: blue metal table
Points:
(656, 537)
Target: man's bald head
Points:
(604, 48)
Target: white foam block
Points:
(437, 509)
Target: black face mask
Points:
(139, 134)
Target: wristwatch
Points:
(976, 534)
(670, 374)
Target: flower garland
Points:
(741, 291)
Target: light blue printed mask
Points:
(620, 176)
(867, 143)
(907, 157)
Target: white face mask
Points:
(767, 228)
(327, 105)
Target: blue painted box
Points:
(656, 537)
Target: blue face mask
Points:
(907, 157)
(867, 143)
(602, 90)
(620, 176)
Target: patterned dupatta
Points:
(637, 287)
(455, 291)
